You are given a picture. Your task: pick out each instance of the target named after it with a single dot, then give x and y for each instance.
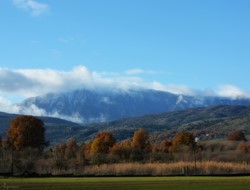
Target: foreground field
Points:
(130, 183)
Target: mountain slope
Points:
(104, 105)
(217, 121)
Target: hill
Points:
(209, 123)
(206, 123)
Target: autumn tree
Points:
(165, 146)
(122, 151)
(59, 161)
(141, 145)
(81, 153)
(182, 138)
(102, 143)
(141, 140)
(1, 145)
(71, 149)
(236, 136)
(87, 150)
(26, 131)
(1, 142)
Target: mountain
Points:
(91, 106)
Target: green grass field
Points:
(130, 183)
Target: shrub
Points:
(236, 136)
(182, 138)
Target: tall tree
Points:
(236, 136)
(71, 149)
(102, 143)
(141, 140)
(182, 138)
(26, 131)
(1, 142)
(1, 145)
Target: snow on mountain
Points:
(88, 106)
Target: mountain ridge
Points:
(93, 106)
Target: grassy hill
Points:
(210, 123)
(206, 123)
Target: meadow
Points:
(129, 183)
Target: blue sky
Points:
(179, 46)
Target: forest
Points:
(24, 151)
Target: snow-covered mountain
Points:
(88, 106)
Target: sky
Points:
(189, 47)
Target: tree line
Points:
(25, 148)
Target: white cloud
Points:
(175, 89)
(36, 82)
(47, 80)
(32, 6)
(77, 118)
(139, 71)
(232, 92)
(9, 107)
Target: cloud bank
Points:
(231, 91)
(37, 82)
(27, 83)
(33, 7)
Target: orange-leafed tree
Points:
(1, 142)
(71, 149)
(141, 140)
(236, 136)
(182, 138)
(102, 143)
(122, 151)
(165, 146)
(26, 131)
